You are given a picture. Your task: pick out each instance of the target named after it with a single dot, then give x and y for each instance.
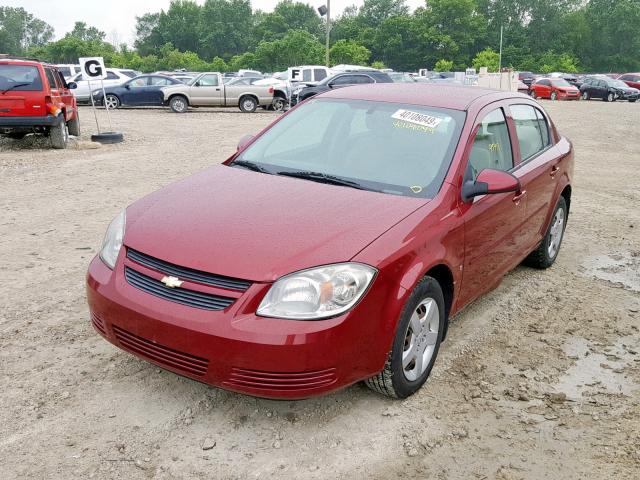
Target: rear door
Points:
(65, 94)
(21, 90)
(493, 223)
(537, 166)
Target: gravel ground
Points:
(538, 379)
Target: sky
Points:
(117, 18)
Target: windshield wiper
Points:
(249, 166)
(15, 86)
(323, 178)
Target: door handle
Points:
(519, 197)
(554, 170)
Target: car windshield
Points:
(20, 78)
(560, 82)
(618, 84)
(379, 146)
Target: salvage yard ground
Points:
(539, 379)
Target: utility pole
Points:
(500, 61)
(328, 30)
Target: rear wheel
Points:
(74, 125)
(547, 251)
(59, 136)
(633, 101)
(248, 104)
(416, 343)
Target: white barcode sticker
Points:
(428, 121)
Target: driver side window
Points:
(492, 145)
(209, 81)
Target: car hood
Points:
(254, 226)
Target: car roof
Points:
(19, 61)
(456, 97)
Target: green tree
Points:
(87, 34)
(487, 58)
(298, 47)
(21, 31)
(443, 65)
(222, 29)
(349, 52)
(179, 26)
(148, 36)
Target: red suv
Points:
(631, 79)
(35, 98)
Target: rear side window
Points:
(51, 78)
(531, 128)
(20, 78)
(66, 71)
(492, 145)
(160, 81)
(306, 75)
(319, 74)
(112, 76)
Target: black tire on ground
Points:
(112, 100)
(540, 257)
(59, 135)
(279, 104)
(554, 96)
(248, 104)
(179, 104)
(74, 125)
(610, 97)
(633, 101)
(586, 96)
(391, 381)
(17, 135)
(107, 137)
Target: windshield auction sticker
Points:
(416, 118)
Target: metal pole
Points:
(106, 105)
(500, 61)
(93, 105)
(328, 30)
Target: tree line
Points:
(226, 35)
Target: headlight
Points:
(113, 240)
(316, 293)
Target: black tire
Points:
(74, 125)
(248, 104)
(633, 101)
(391, 381)
(107, 137)
(541, 256)
(59, 136)
(113, 100)
(586, 96)
(554, 96)
(610, 97)
(279, 104)
(179, 104)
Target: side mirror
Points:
(72, 85)
(127, 86)
(244, 141)
(490, 182)
(197, 84)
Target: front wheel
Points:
(533, 95)
(610, 97)
(248, 104)
(178, 104)
(416, 343)
(586, 96)
(279, 104)
(112, 102)
(547, 251)
(554, 96)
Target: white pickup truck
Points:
(208, 90)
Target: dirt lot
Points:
(539, 379)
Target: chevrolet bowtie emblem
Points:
(172, 282)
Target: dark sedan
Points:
(608, 89)
(343, 79)
(142, 91)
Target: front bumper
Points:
(627, 96)
(30, 122)
(233, 348)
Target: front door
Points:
(206, 91)
(493, 223)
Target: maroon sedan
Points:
(335, 246)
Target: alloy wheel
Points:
(420, 339)
(556, 232)
(112, 102)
